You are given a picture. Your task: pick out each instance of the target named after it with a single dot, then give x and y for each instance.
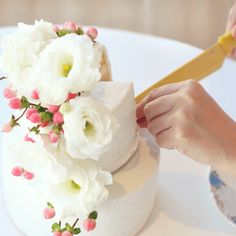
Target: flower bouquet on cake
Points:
(75, 163)
(51, 71)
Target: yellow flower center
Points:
(74, 185)
(89, 128)
(66, 68)
(71, 186)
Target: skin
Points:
(231, 26)
(184, 117)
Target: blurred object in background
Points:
(197, 22)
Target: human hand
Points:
(231, 26)
(183, 116)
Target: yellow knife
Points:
(199, 67)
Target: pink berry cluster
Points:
(39, 116)
(71, 230)
(68, 230)
(19, 171)
(72, 27)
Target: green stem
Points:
(21, 114)
(73, 226)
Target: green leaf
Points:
(50, 205)
(69, 228)
(93, 215)
(77, 231)
(24, 102)
(35, 129)
(63, 32)
(79, 31)
(56, 227)
(57, 129)
(40, 108)
(46, 116)
(13, 122)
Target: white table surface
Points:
(184, 204)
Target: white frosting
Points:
(118, 97)
(133, 190)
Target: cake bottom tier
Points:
(126, 211)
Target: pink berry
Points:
(56, 28)
(17, 171)
(9, 93)
(6, 128)
(92, 33)
(58, 118)
(57, 234)
(35, 94)
(35, 117)
(53, 137)
(44, 124)
(15, 103)
(53, 108)
(28, 139)
(28, 175)
(72, 96)
(30, 111)
(67, 233)
(89, 224)
(70, 25)
(49, 213)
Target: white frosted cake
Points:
(76, 164)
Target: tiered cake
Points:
(82, 167)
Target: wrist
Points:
(229, 145)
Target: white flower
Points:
(72, 186)
(69, 64)
(88, 128)
(84, 189)
(42, 163)
(21, 51)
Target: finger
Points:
(231, 18)
(165, 139)
(160, 124)
(229, 26)
(159, 107)
(234, 31)
(233, 54)
(156, 93)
